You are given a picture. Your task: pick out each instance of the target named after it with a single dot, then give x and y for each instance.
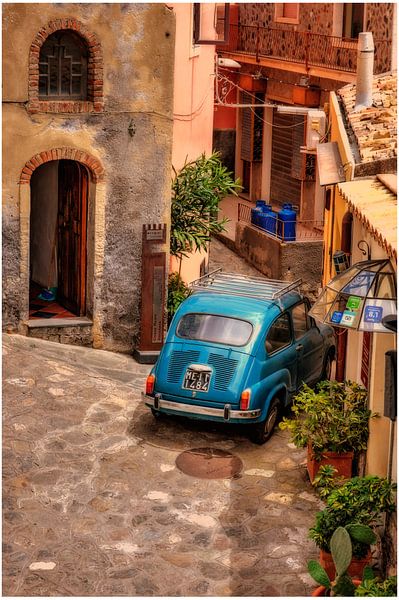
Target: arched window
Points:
(63, 67)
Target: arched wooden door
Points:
(73, 184)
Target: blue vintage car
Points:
(237, 350)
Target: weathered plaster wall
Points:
(138, 51)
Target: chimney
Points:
(364, 74)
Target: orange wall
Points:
(225, 117)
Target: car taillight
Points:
(149, 384)
(245, 398)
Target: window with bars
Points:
(63, 67)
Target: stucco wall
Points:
(138, 51)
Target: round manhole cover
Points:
(209, 463)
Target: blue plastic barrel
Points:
(271, 222)
(286, 229)
(263, 215)
(256, 211)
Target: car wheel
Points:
(327, 369)
(262, 431)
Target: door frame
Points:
(97, 196)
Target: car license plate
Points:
(197, 380)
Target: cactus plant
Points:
(341, 550)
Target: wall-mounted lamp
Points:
(341, 261)
(363, 251)
(228, 63)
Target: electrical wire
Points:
(280, 80)
(198, 109)
(274, 125)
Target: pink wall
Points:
(193, 106)
(194, 91)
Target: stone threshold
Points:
(68, 322)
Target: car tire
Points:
(262, 431)
(327, 368)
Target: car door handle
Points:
(299, 347)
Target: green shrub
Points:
(196, 192)
(377, 588)
(177, 292)
(359, 500)
(333, 417)
(341, 551)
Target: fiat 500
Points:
(236, 351)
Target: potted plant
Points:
(333, 422)
(375, 587)
(341, 583)
(359, 500)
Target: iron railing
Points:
(303, 47)
(305, 230)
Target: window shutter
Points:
(252, 128)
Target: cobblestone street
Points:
(95, 505)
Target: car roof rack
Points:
(242, 285)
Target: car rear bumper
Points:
(202, 412)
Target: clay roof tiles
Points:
(374, 202)
(374, 128)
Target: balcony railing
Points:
(303, 47)
(305, 231)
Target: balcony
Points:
(309, 51)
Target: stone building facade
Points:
(87, 142)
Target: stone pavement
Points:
(94, 504)
(220, 256)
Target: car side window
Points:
(300, 320)
(279, 334)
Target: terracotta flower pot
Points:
(322, 591)
(355, 568)
(342, 462)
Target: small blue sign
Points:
(336, 316)
(373, 314)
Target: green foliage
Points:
(343, 586)
(196, 192)
(341, 550)
(372, 586)
(177, 292)
(359, 500)
(362, 534)
(326, 480)
(318, 574)
(334, 417)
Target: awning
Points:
(362, 298)
(375, 205)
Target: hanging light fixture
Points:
(359, 298)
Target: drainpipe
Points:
(364, 73)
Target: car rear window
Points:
(214, 328)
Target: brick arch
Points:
(95, 101)
(95, 167)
